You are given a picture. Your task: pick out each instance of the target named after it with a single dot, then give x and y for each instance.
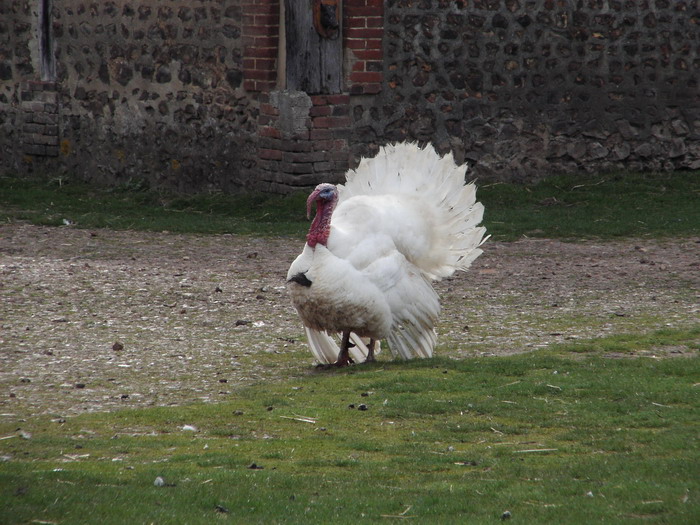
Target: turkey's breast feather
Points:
(340, 296)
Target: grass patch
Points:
(555, 436)
(601, 206)
(58, 202)
(584, 206)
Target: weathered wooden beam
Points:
(313, 63)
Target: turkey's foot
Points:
(340, 363)
(344, 358)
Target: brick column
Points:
(40, 128)
(261, 22)
(303, 139)
(362, 42)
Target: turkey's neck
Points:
(321, 225)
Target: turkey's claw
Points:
(340, 363)
(343, 360)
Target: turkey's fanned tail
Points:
(407, 170)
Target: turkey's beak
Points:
(310, 202)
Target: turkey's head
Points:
(325, 196)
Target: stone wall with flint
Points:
(204, 95)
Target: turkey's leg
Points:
(344, 355)
(370, 353)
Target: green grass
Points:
(52, 202)
(563, 435)
(602, 206)
(569, 207)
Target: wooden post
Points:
(314, 58)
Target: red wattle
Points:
(321, 225)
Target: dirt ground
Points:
(98, 320)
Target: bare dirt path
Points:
(98, 320)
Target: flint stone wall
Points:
(146, 91)
(164, 91)
(524, 88)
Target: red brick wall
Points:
(362, 41)
(261, 21)
(40, 128)
(317, 149)
(363, 28)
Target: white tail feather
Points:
(408, 170)
(325, 349)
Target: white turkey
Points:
(402, 219)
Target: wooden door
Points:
(314, 53)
